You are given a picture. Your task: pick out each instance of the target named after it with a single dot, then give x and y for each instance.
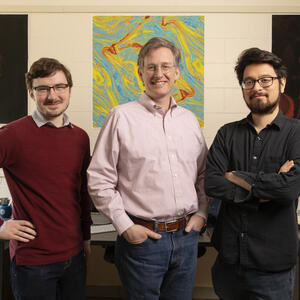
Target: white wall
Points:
(63, 29)
(54, 31)
(68, 37)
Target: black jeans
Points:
(234, 282)
(58, 281)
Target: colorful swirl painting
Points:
(116, 43)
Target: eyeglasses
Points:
(154, 68)
(264, 82)
(45, 90)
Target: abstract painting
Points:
(117, 41)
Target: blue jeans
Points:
(234, 282)
(58, 281)
(158, 269)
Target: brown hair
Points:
(44, 67)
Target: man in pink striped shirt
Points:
(146, 176)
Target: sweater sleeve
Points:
(7, 146)
(85, 201)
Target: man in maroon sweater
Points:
(44, 158)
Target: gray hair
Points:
(156, 43)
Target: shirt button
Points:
(175, 175)
(254, 157)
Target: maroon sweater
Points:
(45, 169)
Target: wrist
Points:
(2, 226)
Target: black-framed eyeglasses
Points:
(264, 82)
(45, 89)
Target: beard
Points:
(262, 108)
(49, 114)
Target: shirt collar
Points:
(40, 120)
(148, 103)
(277, 122)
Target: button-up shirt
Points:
(148, 164)
(40, 120)
(256, 235)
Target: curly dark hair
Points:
(44, 67)
(258, 56)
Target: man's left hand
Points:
(196, 223)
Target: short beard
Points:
(263, 109)
(258, 109)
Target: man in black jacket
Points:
(253, 166)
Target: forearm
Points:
(230, 176)
(106, 198)
(110, 204)
(218, 187)
(232, 187)
(203, 200)
(281, 186)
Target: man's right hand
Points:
(22, 231)
(137, 234)
(286, 166)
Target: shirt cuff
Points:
(122, 223)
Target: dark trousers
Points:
(58, 281)
(234, 282)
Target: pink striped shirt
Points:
(148, 164)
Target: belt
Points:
(163, 226)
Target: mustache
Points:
(50, 101)
(257, 94)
